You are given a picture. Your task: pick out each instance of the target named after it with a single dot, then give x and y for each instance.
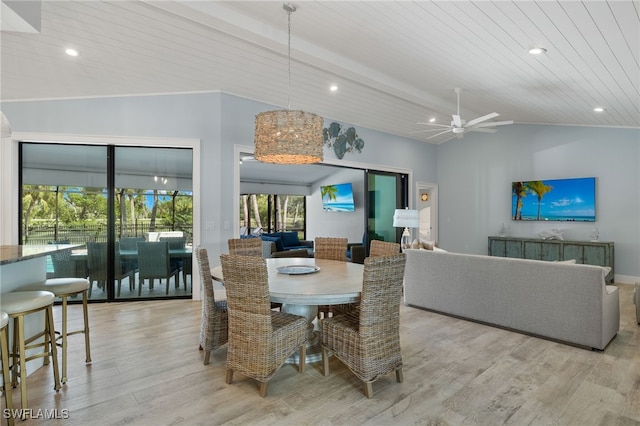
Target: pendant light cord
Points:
(289, 12)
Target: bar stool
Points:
(18, 305)
(4, 352)
(64, 288)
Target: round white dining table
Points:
(332, 282)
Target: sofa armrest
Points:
(306, 243)
(268, 247)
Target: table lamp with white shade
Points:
(406, 218)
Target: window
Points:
(108, 197)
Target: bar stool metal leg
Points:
(65, 332)
(54, 352)
(6, 381)
(85, 311)
(65, 288)
(18, 305)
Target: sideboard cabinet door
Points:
(542, 250)
(587, 252)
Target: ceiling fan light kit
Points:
(459, 126)
(285, 136)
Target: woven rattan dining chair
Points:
(245, 246)
(154, 262)
(178, 243)
(97, 265)
(248, 247)
(330, 248)
(376, 249)
(215, 321)
(129, 245)
(63, 265)
(382, 248)
(260, 339)
(367, 340)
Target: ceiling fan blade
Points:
(457, 121)
(435, 124)
(481, 119)
(494, 123)
(438, 134)
(482, 129)
(430, 130)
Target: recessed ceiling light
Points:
(599, 109)
(432, 120)
(71, 52)
(333, 88)
(537, 50)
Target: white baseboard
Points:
(625, 279)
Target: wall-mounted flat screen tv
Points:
(337, 198)
(567, 200)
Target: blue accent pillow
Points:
(290, 239)
(244, 237)
(277, 240)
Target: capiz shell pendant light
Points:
(285, 136)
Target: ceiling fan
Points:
(459, 126)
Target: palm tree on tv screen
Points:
(539, 188)
(330, 191)
(520, 191)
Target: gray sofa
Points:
(568, 303)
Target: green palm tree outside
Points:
(539, 188)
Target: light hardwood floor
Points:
(147, 370)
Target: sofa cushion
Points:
(277, 240)
(427, 244)
(297, 248)
(290, 239)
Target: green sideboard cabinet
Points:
(588, 252)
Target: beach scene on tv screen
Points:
(571, 200)
(337, 198)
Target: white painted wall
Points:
(475, 175)
(219, 121)
(321, 223)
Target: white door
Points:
(427, 205)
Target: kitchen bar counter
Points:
(20, 265)
(13, 254)
(23, 265)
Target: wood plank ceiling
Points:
(396, 63)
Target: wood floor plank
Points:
(147, 370)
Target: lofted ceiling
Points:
(395, 63)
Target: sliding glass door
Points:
(111, 200)
(386, 192)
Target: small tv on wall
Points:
(566, 200)
(337, 198)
